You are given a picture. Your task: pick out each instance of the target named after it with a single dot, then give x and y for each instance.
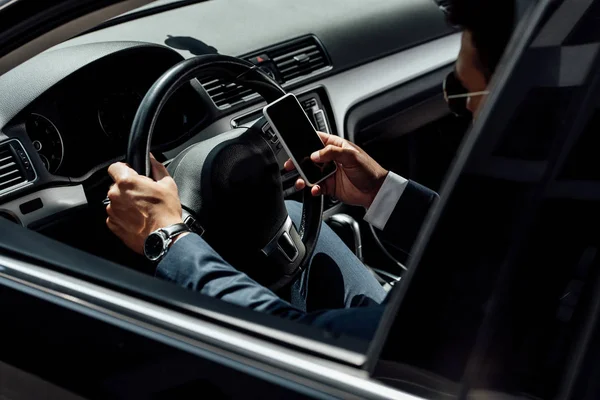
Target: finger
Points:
(114, 227)
(116, 213)
(328, 186)
(113, 193)
(316, 190)
(289, 165)
(335, 153)
(120, 172)
(337, 141)
(159, 171)
(300, 184)
(331, 139)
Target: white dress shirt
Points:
(384, 203)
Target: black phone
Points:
(298, 137)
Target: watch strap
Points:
(175, 229)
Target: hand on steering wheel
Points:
(140, 205)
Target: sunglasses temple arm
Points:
(460, 96)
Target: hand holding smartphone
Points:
(299, 138)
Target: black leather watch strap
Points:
(175, 229)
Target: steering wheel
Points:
(230, 185)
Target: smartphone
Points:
(298, 137)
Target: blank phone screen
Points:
(300, 137)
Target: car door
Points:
(80, 324)
(52, 350)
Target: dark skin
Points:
(358, 178)
(140, 205)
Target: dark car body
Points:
(501, 296)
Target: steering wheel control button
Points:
(268, 132)
(287, 246)
(310, 103)
(282, 245)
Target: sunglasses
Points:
(456, 95)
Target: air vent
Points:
(225, 94)
(15, 167)
(10, 173)
(284, 63)
(299, 59)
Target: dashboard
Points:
(84, 120)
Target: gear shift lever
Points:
(348, 230)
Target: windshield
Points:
(155, 4)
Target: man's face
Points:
(470, 72)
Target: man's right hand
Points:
(358, 177)
(140, 205)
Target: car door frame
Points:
(205, 327)
(542, 28)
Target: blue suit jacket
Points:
(193, 264)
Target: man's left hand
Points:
(139, 205)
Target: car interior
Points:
(75, 116)
(371, 72)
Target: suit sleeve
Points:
(193, 264)
(399, 210)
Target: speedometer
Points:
(46, 140)
(116, 112)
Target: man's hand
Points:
(358, 177)
(138, 205)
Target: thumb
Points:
(159, 171)
(120, 172)
(345, 156)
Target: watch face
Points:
(154, 246)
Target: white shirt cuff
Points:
(384, 203)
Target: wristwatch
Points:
(157, 243)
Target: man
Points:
(140, 205)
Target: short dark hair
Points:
(490, 22)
